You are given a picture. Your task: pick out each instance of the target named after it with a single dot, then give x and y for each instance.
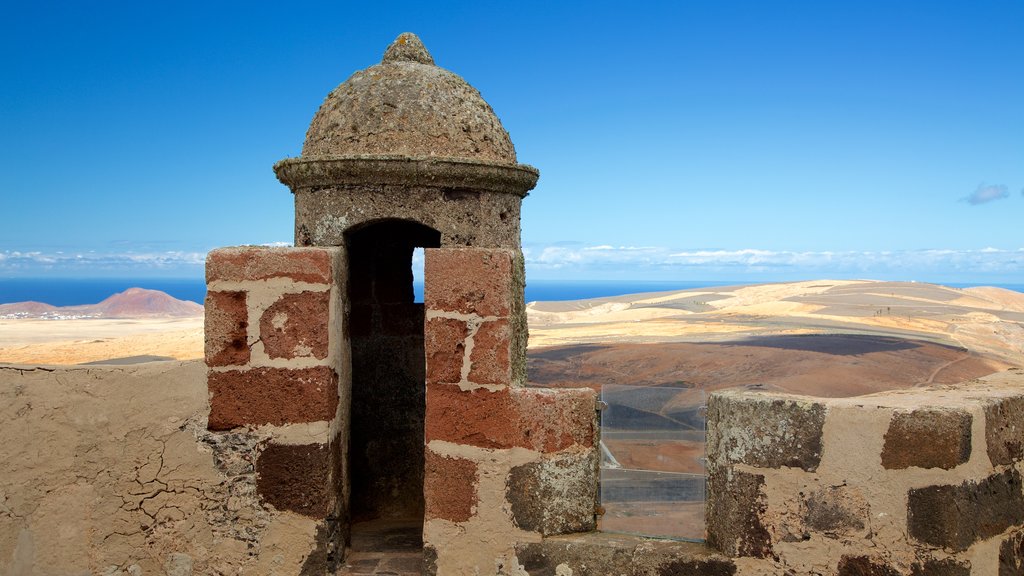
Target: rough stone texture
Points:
(834, 511)
(1004, 430)
(470, 281)
(957, 516)
(947, 567)
(764, 431)
(271, 396)
(600, 554)
(407, 106)
(295, 478)
(463, 217)
(557, 495)
(296, 326)
(735, 508)
(927, 439)
(490, 358)
(247, 263)
(449, 487)
(226, 329)
(1011, 555)
(445, 347)
(865, 566)
(543, 420)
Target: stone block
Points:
(675, 559)
(945, 567)
(736, 505)
(444, 343)
(226, 329)
(489, 359)
(834, 511)
(295, 478)
(471, 281)
(271, 396)
(296, 326)
(581, 558)
(927, 439)
(865, 566)
(956, 516)
(1011, 555)
(249, 263)
(542, 420)
(449, 487)
(556, 495)
(764, 431)
(1004, 430)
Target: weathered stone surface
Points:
(295, 478)
(946, 567)
(470, 281)
(489, 360)
(296, 326)
(865, 566)
(1011, 555)
(735, 507)
(764, 431)
(581, 557)
(226, 329)
(957, 516)
(600, 554)
(407, 106)
(324, 214)
(401, 319)
(445, 349)
(449, 487)
(543, 420)
(271, 396)
(927, 439)
(557, 495)
(248, 263)
(1004, 430)
(834, 511)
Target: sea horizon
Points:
(78, 291)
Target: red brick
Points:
(444, 343)
(244, 263)
(557, 419)
(449, 487)
(271, 396)
(226, 325)
(543, 420)
(470, 281)
(490, 356)
(294, 322)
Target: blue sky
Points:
(710, 140)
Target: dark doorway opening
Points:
(385, 463)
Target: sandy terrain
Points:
(35, 341)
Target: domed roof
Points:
(407, 106)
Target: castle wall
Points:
(279, 383)
(916, 482)
(504, 464)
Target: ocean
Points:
(75, 291)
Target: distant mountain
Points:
(132, 303)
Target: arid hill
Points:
(132, 303)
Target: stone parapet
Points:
(504, 463)
(919, 481)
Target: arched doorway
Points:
(385, 446)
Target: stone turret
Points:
(406, 139)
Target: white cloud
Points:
(15, 261)
(730, 264)
(987, 193)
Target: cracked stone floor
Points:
(385, 547)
